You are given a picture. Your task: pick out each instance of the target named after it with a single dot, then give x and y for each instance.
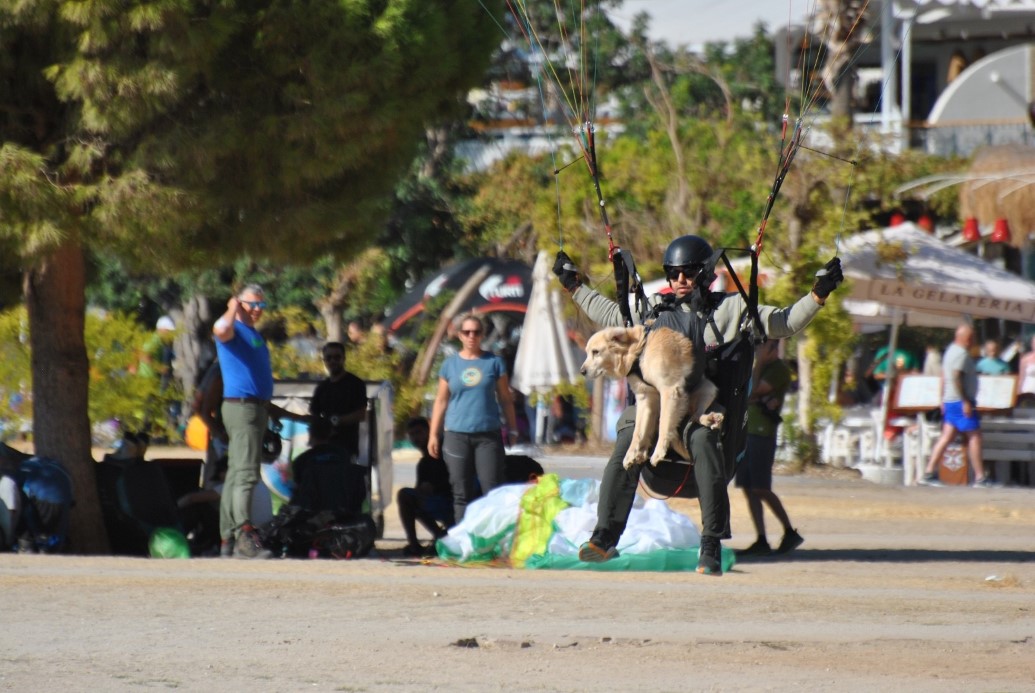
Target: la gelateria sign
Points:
(942, 299)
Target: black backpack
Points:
(298, 532)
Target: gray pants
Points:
(245, 424)
(475, 463)
(618, 485)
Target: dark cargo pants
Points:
(618, 485)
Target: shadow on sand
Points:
(894, 556)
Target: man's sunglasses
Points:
(470, 333)
(688, 271)
(254, 304)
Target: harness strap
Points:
(751, 299)
(622, 285)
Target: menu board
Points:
(924, 392)
(996, 392)
(918, 392)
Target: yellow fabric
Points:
(539, 506)
(196, 434)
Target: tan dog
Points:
(666, 359)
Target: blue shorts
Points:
(953, 415)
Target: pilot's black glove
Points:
(828, 278)
(567, 272)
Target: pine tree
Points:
(183, 133)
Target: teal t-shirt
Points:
(992, 366)
(472, 392)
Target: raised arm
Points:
(224, 327)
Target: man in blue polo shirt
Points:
(247, 390)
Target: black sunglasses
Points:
(470, 333)
(688, 271)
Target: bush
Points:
(119, 388)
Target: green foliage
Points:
(120, 386)
(15, 373)
(212, 129)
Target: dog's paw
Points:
(658, 457)
(634, 456)
(712, 420)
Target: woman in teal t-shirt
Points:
(465, 420)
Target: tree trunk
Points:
(333, 321)
(194, 347)
(55, 294)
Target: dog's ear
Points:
(630, 346)
(625, 336)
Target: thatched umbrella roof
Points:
(1000, 183)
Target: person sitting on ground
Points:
(325, 478)
(430, 501)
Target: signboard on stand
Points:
(919, 393)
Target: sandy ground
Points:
(895, 589)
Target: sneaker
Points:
(249, 545)
(983, 482)
(709, 556)
(226, 548)
(791, 540)
(598, 549)
(759, 548)
(931, 479)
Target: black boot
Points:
(709, 556)
(599, 548)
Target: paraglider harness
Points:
(727, 365)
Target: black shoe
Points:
(709, 556)
(791, 540)
(418, 551)
(759, 548)
(598, 549)
(249, 545)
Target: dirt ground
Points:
(895, 589)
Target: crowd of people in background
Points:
(861, 384)
(959, 364)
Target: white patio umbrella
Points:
(544, 356)
(903, 271)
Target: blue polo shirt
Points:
(245, 363)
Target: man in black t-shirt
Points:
(341, 400)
